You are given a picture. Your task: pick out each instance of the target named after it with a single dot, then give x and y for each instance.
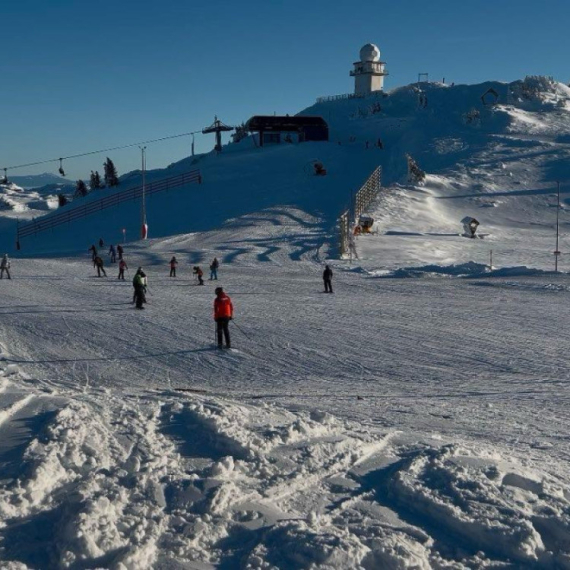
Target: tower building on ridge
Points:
(369, 72)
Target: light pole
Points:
(144, 225)
(557, 252)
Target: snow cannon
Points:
(365, 224)
(470, 226)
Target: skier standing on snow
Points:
(173, 264)
(93, 251)
(214, 269)
(122, 267)
(120, 251)
(199, 273)
(223, 314)
(5, 266)
(327, 278)
(99, 265)
(101, 243)
(139, 283)
(112, 253)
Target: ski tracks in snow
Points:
(151, 479)
(134, 481)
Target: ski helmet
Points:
(219, 290)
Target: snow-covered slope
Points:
(397, 423)
(498, 163)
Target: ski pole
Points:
(241, 330)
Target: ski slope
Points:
(416, 418)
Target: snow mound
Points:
(482, 503)
(469, 269)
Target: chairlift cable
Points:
(98, 151)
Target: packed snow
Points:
(416, 418)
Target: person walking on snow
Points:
(199, 273)
(223, 314)
(99, 265)
(5, 266)
(327, 278)
(112, 253)
(93, 251)
(173, 264)
(139, 283)
(214, 269)
(122, 267)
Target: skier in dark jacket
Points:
(112, 253)
(173, 264)
(99, 265)
(122, 267)
(5, 266)
(214, 269)
(120, 251)
(139, 283)
(223, 314)
(93, 251)
(327, 278)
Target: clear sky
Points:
(81, 75)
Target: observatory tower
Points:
(369, 72)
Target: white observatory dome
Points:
(370, 52)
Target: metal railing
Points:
(327, 98)
(371, 95)
(362, 199)
(71, 213)
(367, 193)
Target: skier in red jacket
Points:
(223, 314)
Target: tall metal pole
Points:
(144, 227)
(557, 253)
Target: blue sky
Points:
(78, 75)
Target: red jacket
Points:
(223, 307)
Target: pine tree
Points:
(111, 176)
(80, 189)
(62, 200)
(95, 180)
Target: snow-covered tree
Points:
(111, 176)
(80, 189)
(95, 180)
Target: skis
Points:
(225, 350)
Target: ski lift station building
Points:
(275, 129)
